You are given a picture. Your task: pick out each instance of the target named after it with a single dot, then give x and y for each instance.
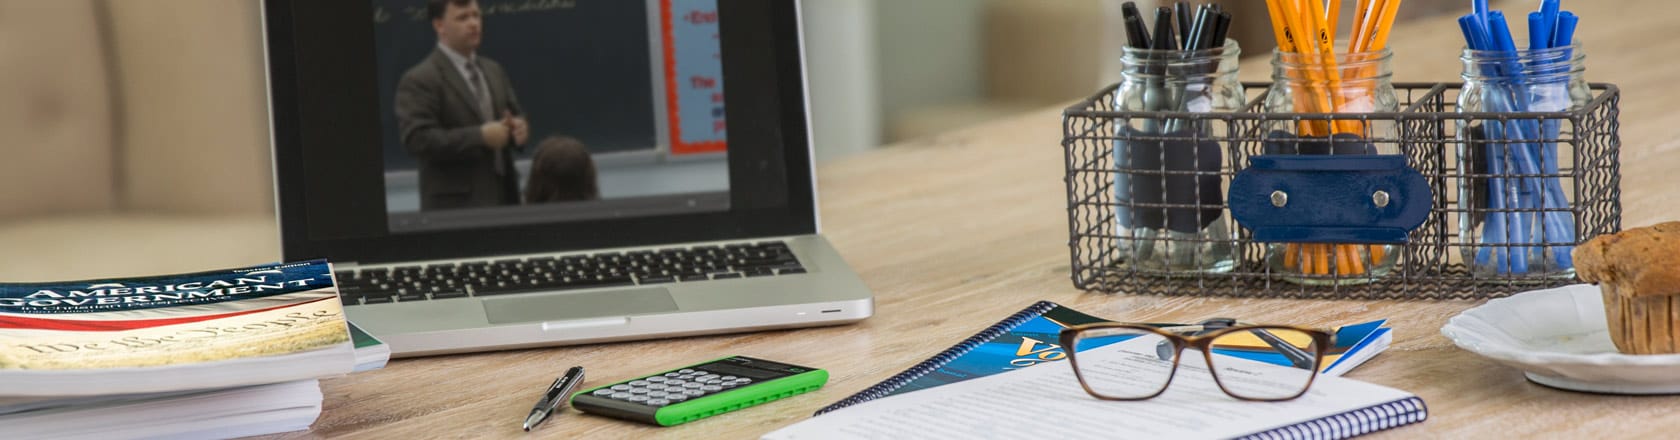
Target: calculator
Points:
(698, 391)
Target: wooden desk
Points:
(958, 231)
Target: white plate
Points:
(1558, 338)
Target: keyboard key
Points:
(411, 296)
(656, 279)
(381, 299)
(350, 300)
(790, 270)
(725, 275)
(449, 293)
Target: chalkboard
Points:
(580, 68)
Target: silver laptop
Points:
(499, 174)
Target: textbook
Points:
(214, 414)
(1029, 337)
(1046, 401)
(371, 353)
(209, 330)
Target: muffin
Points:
(1638, 271)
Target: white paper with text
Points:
(1046, 401)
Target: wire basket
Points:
(1431, 263)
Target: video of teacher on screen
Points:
(506, 112)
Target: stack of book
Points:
(206, 355)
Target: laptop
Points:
(502, 174)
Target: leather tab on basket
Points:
(1359, 198)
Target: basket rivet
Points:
(1380, 198)
(1280, 198)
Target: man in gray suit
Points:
(457, 115)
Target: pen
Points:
(557, 394)
(1136, 35)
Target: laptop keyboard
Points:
(541, 274)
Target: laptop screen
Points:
(594, 109)
(431, 129)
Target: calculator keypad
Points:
(673, 387)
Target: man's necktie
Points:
(476, 83)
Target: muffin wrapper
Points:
(1642, 325)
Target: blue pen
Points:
(1538, 37)
(1517, 152)
(1548, 20)
(1565, 34)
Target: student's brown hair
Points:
(562, 171)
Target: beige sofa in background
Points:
(136, 138)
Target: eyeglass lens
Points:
(1142, 373)
(1242, 377)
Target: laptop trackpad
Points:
(564, 306)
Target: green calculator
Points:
(698, 391)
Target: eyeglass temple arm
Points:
(1298, 357)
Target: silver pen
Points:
(557, 394)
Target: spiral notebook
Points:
(1029, 336)
(1046, 401)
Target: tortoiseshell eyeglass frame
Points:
(1201, 337)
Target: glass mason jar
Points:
(1509, 225)
(1169, 196)
(1353, 83)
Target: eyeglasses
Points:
(1152, 353)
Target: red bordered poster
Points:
(693, 76)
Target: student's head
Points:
(561, 171)
(458, 23)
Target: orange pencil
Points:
(1280, 29)
(1363, 21)
(1385, 25)
(1333, 15)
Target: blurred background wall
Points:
(138, 128)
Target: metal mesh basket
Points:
(1431, 264)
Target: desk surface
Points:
(957, 231)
